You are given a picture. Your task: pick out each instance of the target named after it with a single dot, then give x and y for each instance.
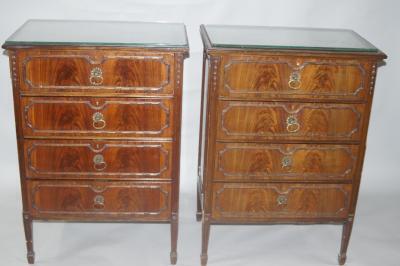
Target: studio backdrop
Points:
(376, 235)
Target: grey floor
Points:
(375, 240)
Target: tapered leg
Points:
(199, 215)
(347, 228)
(174, 238)
(28, 227)
(205, 238)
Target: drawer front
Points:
(287, 121)
(83, 159)
(96, 70)
(96, 200)
(297, 162)
(269, 201)
(255, 77)
(84, 116)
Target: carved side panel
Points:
(97, 159)
(99, 199)
(306, 121)
(281, 201)
(249, 162)
(253, 76)
(93, 116)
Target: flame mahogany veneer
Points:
(282, 136)
(98, 133)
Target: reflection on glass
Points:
(63, 32)
(287, 38)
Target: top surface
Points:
(99, 33)
(263, 37)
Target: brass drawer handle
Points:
(98, 120)
(286, 161)
(98, 202)
(281, 200)
(99, 163)
(292, 124)
(294, 80)
(96, 76)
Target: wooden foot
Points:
(347, 228)
(28, 227)
(204, 259)
(174, 257)
(205, 238)
(342, 259)
(174, 238)
(31, 257)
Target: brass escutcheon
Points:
(99, 163)
(96, 76)
(98, 120)
(286, 161)
(98, 201)
(292, 125)
(281, 200)
(294, 80)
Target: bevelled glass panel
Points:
(263, 37)
(99, 33)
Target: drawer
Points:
(273, 77)
(85, 116)
(289, 121)
(295, 162)
(270, 201)
(85, 159)
(96, 71)
(99, 200)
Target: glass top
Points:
(104, 33)
(263, 37)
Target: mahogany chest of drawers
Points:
(98, 118)
(284, 123)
